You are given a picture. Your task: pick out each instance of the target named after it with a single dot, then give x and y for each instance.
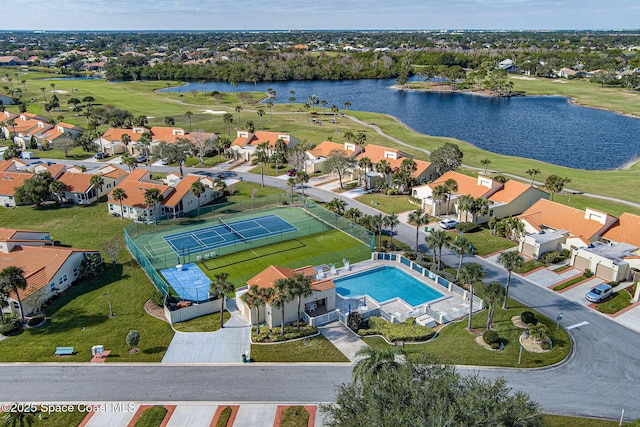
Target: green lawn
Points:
(486, 243)
(295, 416)
(387, 204)
(317, 349)
(152, 417)
(455, 345)
(568, 283)
(207, 323)
(270, 170)
(59, 419)
(76, 153)
(620, 300)
(79, 317)
(563, 421)
(528, 266)
(324, 248)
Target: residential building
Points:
(245, 144)
(29, 129)
(321, 300)
(552, 226)
(425, 171)
(9, 181)
(111, 141)
(48, 269)
(177, 198)
(316, 157)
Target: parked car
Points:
(448, 224)
(164, 161)
(291, 172)
(599, 293)
(99, 156)
(141, 159)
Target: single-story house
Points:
(245, 144)
(111, 141)
(425, 171)
(321, 300)
(48, 269)
(570, 228)
(177, 198)
(316, 157)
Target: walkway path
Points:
(344, 340)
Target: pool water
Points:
(385, 283)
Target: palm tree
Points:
(260, 113)
(437, 239)
(282, 295)
(128, 160)
(197, 188)
(238, 109)
(152, 197)
(189, 114)
(270, 103)
(125, 139)
(485, 163)
(57, 187)
(491, 295)
(97, 181)
(222, 286)
(12, 278)
(419, 218)
(227, 118)
(4, 301)
(324, 104)
(452, 187)
(292, 99)
(262, 155)
(347, 104)
(372, 361)
(510, 260)
(19, 418)
(383, 168)
(461, 246)
(334, 110)
(377, 221)
(44, 94)
(336, 205)
(349, 136)
(252, 299)
(392, 222)
(471, 274)
(53, 88)
(119, 195)
(300, 288)
(532, 173)
(291, 182)
(302, 178)
(365, 165)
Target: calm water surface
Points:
(539, 127)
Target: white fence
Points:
(191, 312)
(322, 319)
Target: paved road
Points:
(600, 379)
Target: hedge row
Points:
(275, 334)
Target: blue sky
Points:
(318, 14)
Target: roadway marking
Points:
(577, 325)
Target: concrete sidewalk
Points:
(344, 339)
(192, 416)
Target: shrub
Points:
(157, 298)
(8, 329)
(133, 338)
(405, 331)
(539, 331)
(528, 317)
(552, 257)
(354, 321)
(223, 419)
(35, 320)
(587, 273)
(545, 345)
(491, 337)
(467, 227)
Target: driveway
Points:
(577, 293)
(224, 346)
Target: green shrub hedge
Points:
(223, 419)
(467, 227)
(275, 334)
(492, 338)
(405, 331)
(8, 329)
(528, 317)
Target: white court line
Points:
(577, 325)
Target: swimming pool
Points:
(385, 283)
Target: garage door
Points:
(605, 272)
(581, 263)
(528, 250)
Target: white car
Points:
(447, 224)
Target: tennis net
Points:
(232, 230)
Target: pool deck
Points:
(451, 305)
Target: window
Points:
(52, 286)
(110, 207)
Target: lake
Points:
(545, 128)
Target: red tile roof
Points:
(181, 189)
(467, 185)
(626, 230)
(509, 192)
(10, 180)
(76, 182)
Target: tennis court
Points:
(224, 234)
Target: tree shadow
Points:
(154, 350)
